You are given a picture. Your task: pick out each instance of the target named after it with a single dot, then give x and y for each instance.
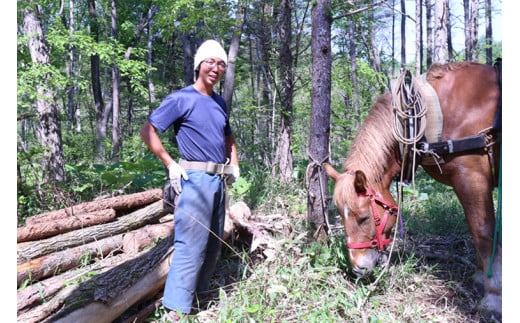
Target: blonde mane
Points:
(374, 145)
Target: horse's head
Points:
(368, 215)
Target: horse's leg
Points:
(475, 192)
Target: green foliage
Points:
(432, 208)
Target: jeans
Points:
(201, 208)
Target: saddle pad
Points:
(434, 119)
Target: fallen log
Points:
(135, 241)
(122, 202)
(48, 229)
(71, 239)
(48, 265)
(42, 292)
(106, 296)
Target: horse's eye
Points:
(363, 218)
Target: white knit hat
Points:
(209, 48)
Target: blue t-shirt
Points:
(200, 122)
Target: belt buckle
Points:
(210, 167)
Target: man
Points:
(208, 158)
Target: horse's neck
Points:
(380, 173)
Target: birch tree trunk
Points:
(429, 33)
(48, 129)
(99, 103)
(440, 31)
(116, 129)
(418, 37)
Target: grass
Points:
(428, 279)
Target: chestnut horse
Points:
(469, 95)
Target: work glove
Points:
(235, 174)
(175, 172)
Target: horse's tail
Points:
(331, 171)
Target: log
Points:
(106, 296)
(137, 240)
(122, 202)
(43, 291)
(74, 238)
(48, 265)
(131, 243)
(48, 229)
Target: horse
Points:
(469, 96)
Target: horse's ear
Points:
(360, 182)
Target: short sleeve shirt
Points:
(200, 122)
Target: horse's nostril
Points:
(360, 271)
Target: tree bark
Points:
(105, 296)
(317, 197)
(51, 228)
(283, 149)
(440, 31)
(49, 130)
(99, 103)
(229, 83)
(122, 202)
(48, 265)
(71, 239)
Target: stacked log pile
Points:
(93, 261)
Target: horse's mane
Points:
(374, 143)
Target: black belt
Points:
(208, 167)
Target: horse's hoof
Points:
(491, 303)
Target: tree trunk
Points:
(49, 130)
(449, 40)
(130, 243)
(403, 35)
(60, 261)
(229, 83)
(489, 34)
(440, 31)
(317, 197)
(418, 38)
(116, 78)
(429, 33)
(123, 202)
(51, 228)
(131, 221)
(283, 148)
(99, 104)
(107, 295)
(43, 291)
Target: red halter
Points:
(378, 241)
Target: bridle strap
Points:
(378, 241)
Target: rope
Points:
(408, 105)
(498, 221)
(317, 164)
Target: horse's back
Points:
(468, 94)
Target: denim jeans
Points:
(201, 208)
